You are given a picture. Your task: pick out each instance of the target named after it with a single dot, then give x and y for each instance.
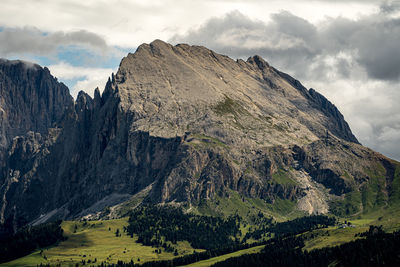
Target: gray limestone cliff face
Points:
(182, 122)
(30, 100)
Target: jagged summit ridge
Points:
(25, 63)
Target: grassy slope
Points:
(332, 236)
(389, 218)
(379, 208)
(95, 240)
(283, 177)
(245, 207)
(227, 256)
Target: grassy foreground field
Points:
(96, 242)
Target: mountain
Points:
(179, 124)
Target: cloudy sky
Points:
(346, 49)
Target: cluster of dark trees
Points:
(301, 225)
(261, 229)
(29, 239)
(377, 249)
(155, 225)
(296, 226)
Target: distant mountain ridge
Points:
(178, 124)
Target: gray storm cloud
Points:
(32, 40)
(290, 42)
(356, 63)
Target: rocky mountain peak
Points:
(175, 124)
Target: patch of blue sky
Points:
(70, 83)
(92, 58)
(44, 60)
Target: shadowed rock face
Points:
(181, 121)
(32, 103)
(30, 100)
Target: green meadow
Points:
(95, 242)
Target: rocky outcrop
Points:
(181, 123)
